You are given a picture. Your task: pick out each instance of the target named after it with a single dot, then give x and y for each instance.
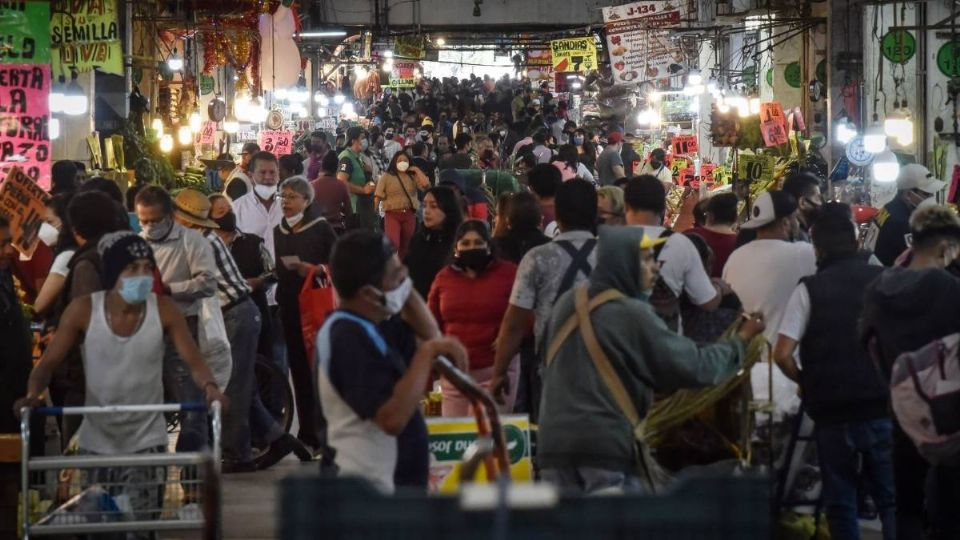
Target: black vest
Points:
(838, 380)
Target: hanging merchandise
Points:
(279, 55)
(857, 154)
(85, 36)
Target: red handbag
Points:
(317, 300)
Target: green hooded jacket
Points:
(580, 423)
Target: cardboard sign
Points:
(684, 145)
(449, 438)
(678, 165)
(689, 177)
(86, 36)
(278, 143)
(403, 75)
(208, 132)
(24, 118)
(22, 202)
(773, 124)
(754, 168)
(25, 31)
(576, 55)
(639, 45)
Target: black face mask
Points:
(473, 259)
(655, 164)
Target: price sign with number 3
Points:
(278, 143)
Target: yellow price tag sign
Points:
(754, 168)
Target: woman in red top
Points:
(468, 299)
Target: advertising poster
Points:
(85, 35)
(22, 202)
(403, 75)
(449, 438)
(639, 48)
(575, 55)
(25, 28)
(540, 66)
(24, 119)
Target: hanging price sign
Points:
(677, 165)
(208, 131)
(898, 46)
(754, 168)
(278, 143)
(684, 145)
(773, 124)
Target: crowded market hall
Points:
(652, 269)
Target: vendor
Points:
(888, 233)
(238, 182)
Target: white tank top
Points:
(123, 371)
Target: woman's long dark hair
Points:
(392, 168)
(449, 203)
(567, 153)
(65, 240)
(474, 225)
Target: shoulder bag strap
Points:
(571, 324)
(580, 262)
(405, 192)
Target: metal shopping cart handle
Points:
(194, 406)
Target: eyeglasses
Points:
(290, 196)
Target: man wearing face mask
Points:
(586, 440)
(122, 331)
(371, 371)
(805, 188)
(356, 175)
(259, 212)
(188, 272)
(657, 167)
(390, 145)
(888, 233)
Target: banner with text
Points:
(24, 120)
(403, 75)
(575, 55)
(539, 66)
(22, 202)
(86, 35)
(25, 30)
(639, 47)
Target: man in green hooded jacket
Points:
(586, 442)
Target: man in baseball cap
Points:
(888, 232)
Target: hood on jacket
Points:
(906, 292)
(618, 261)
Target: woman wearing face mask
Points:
(56, 233)
(586, 151)
(398, 190)
(469, 298)
(431, 247)
(301, 241)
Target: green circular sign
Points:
(948, 59)
(770, 77)
(898, 46)
(516, 443)
(206, 85)
(792, 74)
(822, 71)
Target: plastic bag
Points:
(213, 342)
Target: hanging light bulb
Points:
(339, 98)
(195, 122)
(347, 109)
(845, 132)
(157, 125)
(322, 112)
(441, 42)
(754, 105)
(174, 62)
(722, 106)
(184, 135)
(694, 90)
(694, 105)
(885, 167)
(74, 100)
(56, 100)
(257, 112)
(388, 54)
(874, 139)
(230, 123)
(905, 137)
(322, 99)
(713, 87)
(53, 129)
(166, 143)
(694, 77)
(648, 117)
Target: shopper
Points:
(432, 246)
(398, 192)
(610, 164)
(302, 240)
(468, 300)
(545, 273)
(60, 237)
(461, 159)
(568, 162)
(719, 233)
(289, 165)
(805, 188)
(317, 149)
(258, 212)
(586, 442)
(63, 178)
(239, 183)
(15, 355)
(544, 181)
(356, 175)
(842, 391)
(474, 203)
(889, 230)
(332, 198)
(657, 167)
(371, 372)
(521, 221)
(681, 269)
(611, 208)
(122, 331)
(187, 270)
(764, 274)
(904, 310)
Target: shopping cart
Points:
(130, 493)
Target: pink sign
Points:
(208, 131)
(24, 120)
(278, 143)
(773, 124)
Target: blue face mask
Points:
(578, 141)
(364, 145)
(134, 290)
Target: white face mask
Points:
(294, 219)
(265, 192)
(393, 301)
(402, 166)
(48, 234)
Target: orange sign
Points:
(684, 145)
(773, 124)
(22, 202)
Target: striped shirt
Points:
(231, 287)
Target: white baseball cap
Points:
(769, 206)
(914, 176)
